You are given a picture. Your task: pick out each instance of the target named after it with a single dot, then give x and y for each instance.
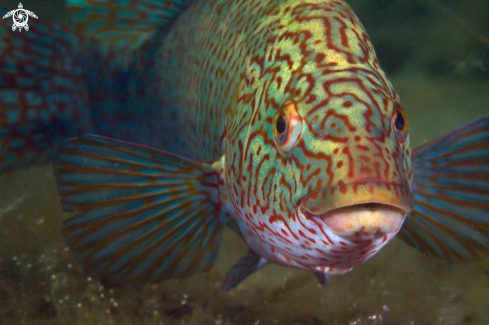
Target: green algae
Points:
(423, 49)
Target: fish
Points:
(170, 120)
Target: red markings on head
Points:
(331, 190)
(347, 104)
(319, 182)
(320, 57)
(279, 82)
(363, 148)
(346, 151)
(342, 187)
(301, 233)
(355, 188)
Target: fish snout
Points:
(371, 220)
(361, 211)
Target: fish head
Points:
(319, 160)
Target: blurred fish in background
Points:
(470, 66)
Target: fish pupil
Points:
(280, 124)
(399, 122)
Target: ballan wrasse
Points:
(272, 117)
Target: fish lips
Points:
(367, 210)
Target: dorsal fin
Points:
(122, 26)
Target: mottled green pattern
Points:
(228, 67)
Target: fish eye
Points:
(287, 126)
(280, 125)
(400, 123)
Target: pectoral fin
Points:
(450, 219)
(142, 215)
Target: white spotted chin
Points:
(371, 220)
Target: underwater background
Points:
(436, 54)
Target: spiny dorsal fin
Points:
(123, 26)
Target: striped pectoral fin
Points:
(244, 267)
(142, 215)
(450, 219)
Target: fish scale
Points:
(271, 117)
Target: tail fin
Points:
(43, 97)
(450, 219)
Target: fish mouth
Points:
(360, 210)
